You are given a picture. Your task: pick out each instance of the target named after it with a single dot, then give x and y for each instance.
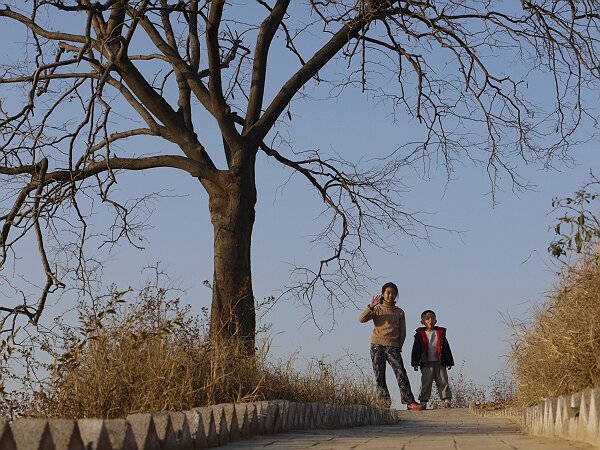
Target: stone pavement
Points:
(440, 429)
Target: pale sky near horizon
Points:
(496, 268)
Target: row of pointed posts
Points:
(574, 417)
(199, 428)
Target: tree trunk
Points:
(232, 214)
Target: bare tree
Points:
(182, 70)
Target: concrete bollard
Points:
(313, 414)
(370, 415)
(65, 434)
(593, 424)
(316, 420)
(334, 415)
(523, 417)
(575, 416)
(253, 419)
(284, 414)
(276, 409)
(329, 417)
(32, 434)
(549, 416)
(539, 417)
(342, 416)
(360, 415)
(338, 416)
(298, 413)
(378, 415)
(220, 424)
(540, 409)
(325, 413)
(288, 423)
(246, 419)
(94, 434)
(301, 416)
(181, 429)
(526, 418)
(561, 418)
(233, 430)
(120, 434)
(261, 417)
(536, 415)
(144, 431)
(367, 415)
(353, 415)
(356, 415)
(210, 426)
(6, 438)
(345, 415)
(373, 416)
(292, 416)
(164, 431)
(196, 428)
(298, 422)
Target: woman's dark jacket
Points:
(419, 351)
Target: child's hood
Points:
(435, 328)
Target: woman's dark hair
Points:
(387, 285)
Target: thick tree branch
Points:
(348, 31)
(215, 86)
(259, 68)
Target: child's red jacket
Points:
(419, 351)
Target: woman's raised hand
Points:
(376, 301)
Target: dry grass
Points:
(153, 356)
(558, 351)
(464, 390)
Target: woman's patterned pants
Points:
(379, 355)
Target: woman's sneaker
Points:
(414, 406)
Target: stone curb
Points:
(197, 429)
(575, 417)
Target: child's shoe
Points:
(414, 406)
(446, 403)
(423, 405)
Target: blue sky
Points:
(497, 267)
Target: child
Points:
(431, 352)
(386, 344)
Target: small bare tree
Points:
(181, 70)
(577, 230)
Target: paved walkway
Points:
(441, 429)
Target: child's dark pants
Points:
(379, 355)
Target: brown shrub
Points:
(153, 356)
(558, 351)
